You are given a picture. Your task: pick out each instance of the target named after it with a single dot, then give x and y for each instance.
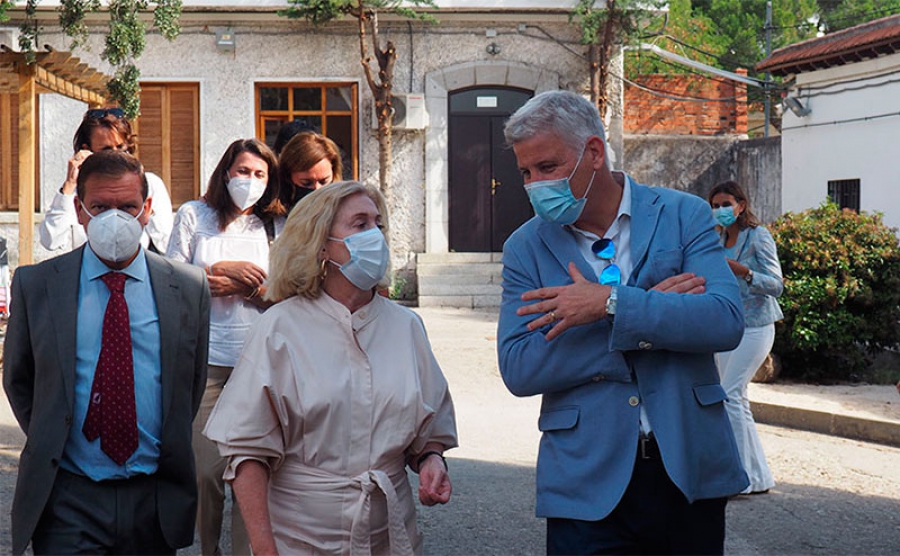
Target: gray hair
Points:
(568, 115)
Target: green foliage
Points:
(742, 24)
(679, 26)
(125, 89)
(842, 292)
(127, 33)
(71, 20)
(627, 17)
(5, 5)
(398, 287)
(124, 43)
(835, 15)
(28, 31)
(318, 12)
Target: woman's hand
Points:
(737, 268)
(220, 286)
(72, 173)
(244, 272)
(434, 481)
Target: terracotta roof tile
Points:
(862, 42)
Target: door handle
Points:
(494, 185)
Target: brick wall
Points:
(651, 114)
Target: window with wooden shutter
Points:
(9, 155)
(168, 137)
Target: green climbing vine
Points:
(124, 43)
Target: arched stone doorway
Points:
(438, 86)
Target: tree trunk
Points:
(609, 35)
(381, 92)
(594, 66)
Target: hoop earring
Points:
(323, 269)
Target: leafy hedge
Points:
(842, 292)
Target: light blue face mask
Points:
(725, 216)
(369, 258)
(553, 199)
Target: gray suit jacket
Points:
(39, 379)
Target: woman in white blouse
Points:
(102, 129)
(228, 232)
(335, 393)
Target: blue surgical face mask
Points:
(369, 258)
(553, 199)
(725, 216)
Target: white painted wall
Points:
(284, 50)
(852, 132)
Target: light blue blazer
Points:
(657, 353)
(755, 249)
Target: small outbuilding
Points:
(842, 119)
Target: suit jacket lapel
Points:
(61, 287)
(742, 240)
(168, 307)
(559, 242)
(645, 209)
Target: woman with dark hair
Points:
(102, 129)
(308, 161)
(753, 259)
(228, 232)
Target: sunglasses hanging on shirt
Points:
(605, 249)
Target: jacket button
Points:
(68, 419)
(633, 401)
(645, 345)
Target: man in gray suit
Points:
(105, 379)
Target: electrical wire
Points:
(846, 121)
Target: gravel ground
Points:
(834, 496)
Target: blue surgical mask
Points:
(553, 199)
(369, 258)
(725, 216)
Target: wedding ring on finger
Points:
(552, 316)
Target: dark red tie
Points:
(111, 413)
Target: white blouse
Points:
(333, 403)
(197, 239)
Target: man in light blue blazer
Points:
(615, 297)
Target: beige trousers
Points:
(210, 485)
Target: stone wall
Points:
(288, 51)
(696, 164)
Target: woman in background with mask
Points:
(308, 161)
(753, 259)
(322, 419)
(102, 129)
(228, 233)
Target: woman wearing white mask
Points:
(228, 232)
(322, 419)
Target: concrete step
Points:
(467, 280)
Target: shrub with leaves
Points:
(842, 292)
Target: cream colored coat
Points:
(332, 403)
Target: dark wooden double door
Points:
(487, 199)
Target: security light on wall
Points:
(225, 40)
(796, 106)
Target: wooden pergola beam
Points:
(52, 71)
(27, 150)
